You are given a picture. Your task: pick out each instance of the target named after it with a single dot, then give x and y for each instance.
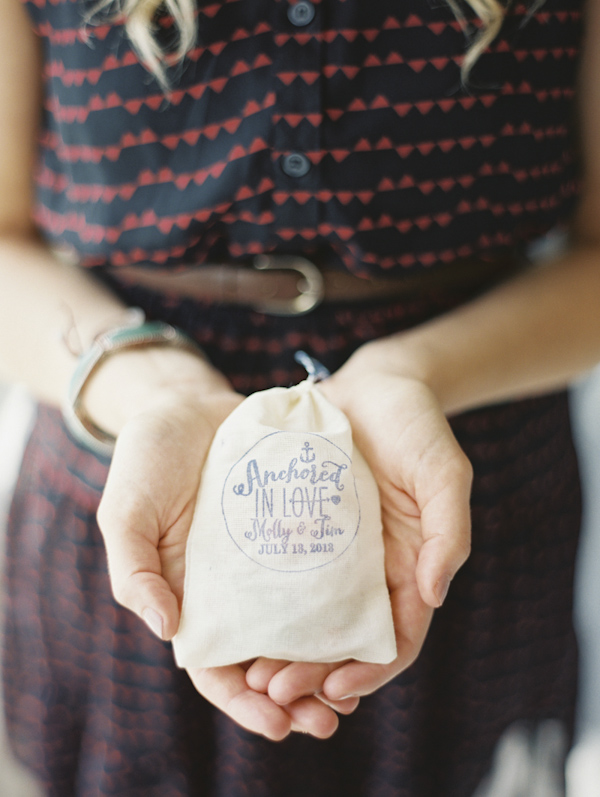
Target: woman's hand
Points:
(424, 481)
(146, 512)
(148, 502)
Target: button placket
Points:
(296, 136)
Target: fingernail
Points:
(154, 621)
(441, 589)
(346, 697)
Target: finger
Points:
(261, 671)
(412, 618)
(446, 530)
(226, 688)
(310, 715)
(297, 680)
(346, 706)
(357, 679)
(135, 568)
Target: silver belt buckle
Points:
(311, 288)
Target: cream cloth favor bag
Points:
(285, 553)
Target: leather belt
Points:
(289, 285)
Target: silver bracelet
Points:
(153, 333)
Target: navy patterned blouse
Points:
(338, 129)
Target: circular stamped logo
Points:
(290, 503)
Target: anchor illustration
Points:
(307, 454)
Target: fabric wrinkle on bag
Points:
(285, 554)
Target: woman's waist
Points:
(291, 285)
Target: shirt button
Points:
(295, 165)
(301, 13)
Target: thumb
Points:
(135, 569)
(446, 530)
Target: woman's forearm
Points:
(532, 334)
(42, 299)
